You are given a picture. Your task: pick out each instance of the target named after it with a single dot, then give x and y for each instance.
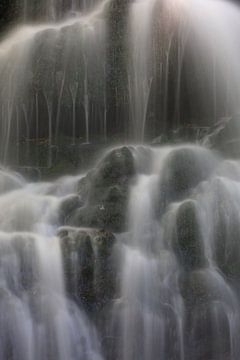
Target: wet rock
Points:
(105, 191)
(226, 229)
(68, 205)
(208, 304)
(88, 267)
(208, 334)
(189, 243)
(106, 215)
(116, 168)
(197, 288)
(184, 169)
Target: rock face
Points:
(105, 193)
(189, 243)
(88, 267)
(90, 217)
(206, 310)
(184, 169)
(226, 229)
(68, 206)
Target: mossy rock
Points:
(67, 207)
(116, 169)
(105, 193)
(184, 169)
(197, 288)
(207, 334)
(189, 243)
(206, 310)
(226, 238)
(88, 268)
(107, 215)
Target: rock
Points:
(207, 309)
(226, 229)
(197, 288)
(116, 168)
(184, 168)
(189, 242)
(105, 192)
(67, 206)
(88, 268)
(108, 216)
(105, 272)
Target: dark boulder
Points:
(67, 207)
(105, 192)
(226, 228)
(116, 168)
(88, 267)
(185, 167)
(189, 242)
(208, 304)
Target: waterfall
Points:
(37, 319)
(170, 40)
(166, 285)
(141, 67)
(53, 10)
(120, 252)
(178, 298)
(171, 63)
(58, 69)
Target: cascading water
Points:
(179, 293)
(139, 257)
(51, 69)
(37, 320)
(54, 9)
(59, 79)
(183, 55)
(177, 280)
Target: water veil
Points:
(130, 252)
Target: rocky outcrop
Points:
(189, 243)
(90, 274)
(184, 168)
(105, 192)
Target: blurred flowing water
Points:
(105, 70)
(72, 69)
(180, 279)
(177, 280)
(37, 319)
